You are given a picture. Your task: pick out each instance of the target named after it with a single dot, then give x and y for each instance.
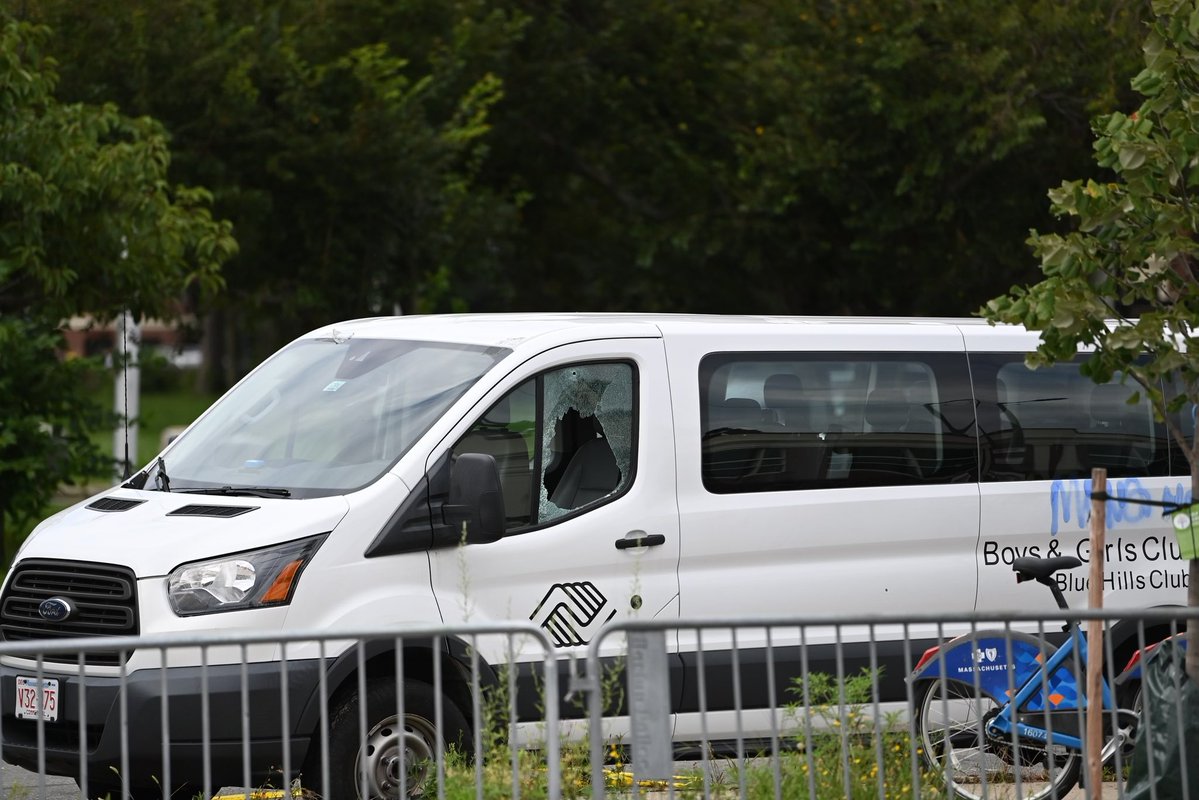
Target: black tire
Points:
(949, 732)
(387, 744)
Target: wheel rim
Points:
(952, 735)
(390, 746)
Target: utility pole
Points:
(126, 401)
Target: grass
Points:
(852, 757)
(159, 410)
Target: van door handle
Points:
(640, 539)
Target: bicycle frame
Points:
(1004, 723)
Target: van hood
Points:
(154, 532)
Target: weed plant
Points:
(842, 748)
(834, 748)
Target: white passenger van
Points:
(605, 466)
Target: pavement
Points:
(21, 784)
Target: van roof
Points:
(534, 323)
(509, 329)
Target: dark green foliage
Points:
(1124, 280)
(88, 224)
(1132, 253)
(786, 157)
(822, 156)
(342, 138)
(814, 157)
(45, 415)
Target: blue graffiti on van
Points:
(1070, 501)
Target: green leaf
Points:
(1131, 157)
(1063, 318)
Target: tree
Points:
(342, 138)
(772, 156)
(840, 156)
(1125, 280)
(88, 224)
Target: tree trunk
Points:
(213, 343)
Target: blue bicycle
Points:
(999, 713)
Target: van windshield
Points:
(324, 417)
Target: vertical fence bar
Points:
(1145, 723)
(879, 752)
(361, 778)
(772, 700)
(552, 746)
(1009, 648)
(514, 749)
(439, 716)
(285, 722)
(596, 721)
(244, 689)
(476, 707)
(40, 725)
(165, 719)
(82, 750)
(703, 711)
(1094, 694)
(1079, 660)
(806, 678)
(942, 685)
(83, 746)
(323, 689)
(205, 719)
(401, 699)
(1180, 679)
(910, 692)
(843, 716)
(123, 684)
(737, 702)
(1113, 713)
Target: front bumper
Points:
(230, 717)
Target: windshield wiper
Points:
(164, 483)
(239, 491)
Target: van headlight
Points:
(254, 579)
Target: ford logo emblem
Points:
(56, 609)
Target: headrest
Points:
(783, 390)
(887, 408)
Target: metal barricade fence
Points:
(285, 711)
(814, 706)
(931, 706)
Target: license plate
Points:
(35, 701)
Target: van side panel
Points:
(1042, 433)
(886, 520)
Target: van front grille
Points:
(103, 598)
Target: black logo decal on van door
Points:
(570, 613)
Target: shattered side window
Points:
(586, 436)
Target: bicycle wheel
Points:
(950, 720)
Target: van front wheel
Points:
(390, 754)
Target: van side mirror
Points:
(476, 498)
